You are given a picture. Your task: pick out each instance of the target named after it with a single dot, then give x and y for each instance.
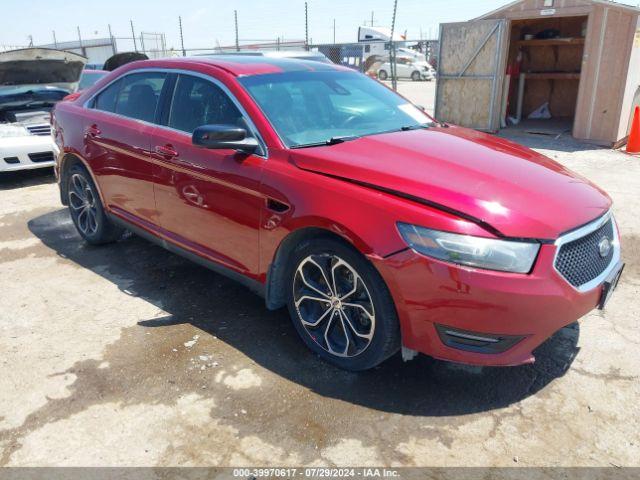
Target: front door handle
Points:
(167, 151)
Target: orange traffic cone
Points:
(633, 144)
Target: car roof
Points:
(246, 65)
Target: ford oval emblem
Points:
(604, 247)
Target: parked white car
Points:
(31, 81)
(405, 68)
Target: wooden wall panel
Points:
(631, 96)
(606, 95)
(466, 101)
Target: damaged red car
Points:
(324, 191)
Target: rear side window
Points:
(139, 95)
(198, 102)
(106, 100)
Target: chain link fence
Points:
(294, 31)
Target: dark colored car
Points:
(324, 191)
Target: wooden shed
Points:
(580, 58)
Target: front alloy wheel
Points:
(334, 305)
(340, 305)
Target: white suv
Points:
(405, 68)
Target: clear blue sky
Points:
(206, 22)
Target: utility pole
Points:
(55, 40)
(372, 18)
(235, 16)
(392, 49)
(113, 40)
(334, 31)
(184, 52)
(306, 26)
(133, 35)
(31, 40)
(84, 52)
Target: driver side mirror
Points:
(221, 137)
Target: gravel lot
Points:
(129, 355)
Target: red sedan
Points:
(326, 192)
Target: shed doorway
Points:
(544, 66)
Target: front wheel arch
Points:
(275, 294)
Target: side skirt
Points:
(253, 285)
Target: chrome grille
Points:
(40, 129)
(579, 261)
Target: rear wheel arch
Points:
(68, 161)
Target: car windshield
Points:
(89, 78)
(320, 107)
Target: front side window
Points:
(307, 108)
(197, 102)
(139, 95)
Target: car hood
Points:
(518, 192)
(40, 66)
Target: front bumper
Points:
(22, 153)
(430, 295)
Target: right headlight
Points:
(480, 252)
(10, 131)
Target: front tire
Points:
(340, 306)
(86, 209)
(416, 77)
(383, 75)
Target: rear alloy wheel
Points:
(341, 307)
(86, 209)
(416, 77)
(82, 202)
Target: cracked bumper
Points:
(429, 293)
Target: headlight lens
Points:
(8, 131)
(488, 253)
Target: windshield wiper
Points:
(329, 142)
(420, 126)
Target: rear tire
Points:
(86, 209)
(383, 75)
(340, 305)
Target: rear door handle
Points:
(93, 131)
(166, 151)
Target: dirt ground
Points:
(130, 355)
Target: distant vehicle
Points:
(415, 71)
(295, 54)
(379, 34)
(122, 58)
(89, 77)
(32, 81)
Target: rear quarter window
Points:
(139, 95)
(106, 100)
